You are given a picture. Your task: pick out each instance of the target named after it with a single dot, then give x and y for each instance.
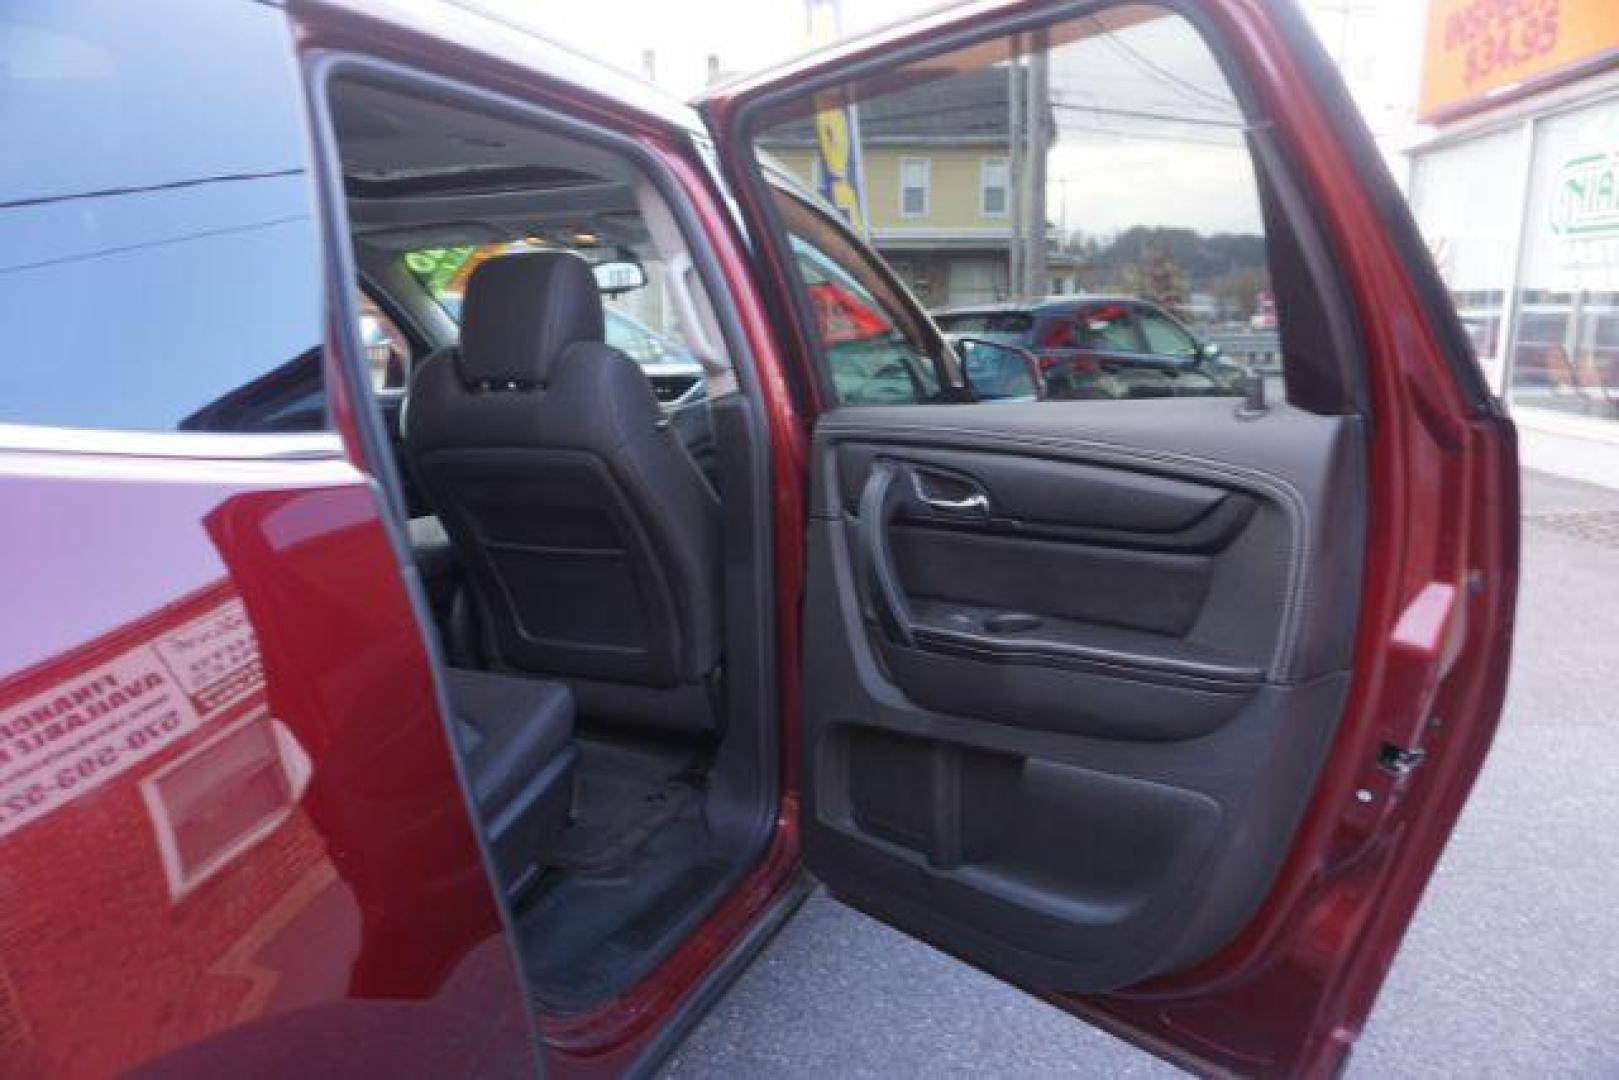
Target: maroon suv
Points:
(492, 721)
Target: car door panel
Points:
(1182, 804)
(1077, 750)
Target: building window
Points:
(1565, 346)
(913, 186)
(1467, 199)
(993, 176)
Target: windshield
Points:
(442, 272)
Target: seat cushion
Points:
(516, 738)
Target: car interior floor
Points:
(623, 875)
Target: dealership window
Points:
(1565, 346)
(1467, 200)
(914, 177)
(161, 262)
(993, 176)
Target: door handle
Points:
(928, 486)
(973, 504)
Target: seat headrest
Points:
(522, 311)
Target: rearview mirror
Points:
(998, 372)
(619, 276)
(1210, 350)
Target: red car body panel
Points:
(354, 919)
(199, 834)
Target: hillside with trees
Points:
(1169, 265)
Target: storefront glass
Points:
(1566, 342)
(1466, 200)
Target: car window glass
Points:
(1106, 329)
(1162, 336)
(1150, 195)
(161, 262)
(640, 320)
(387, 349)
(877, 350)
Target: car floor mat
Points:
(623, 793)
(585, 937)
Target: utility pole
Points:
(1016, 145)
(1037, 281)
(1028, 88)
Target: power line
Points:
(1138, 114)
(1224, 144)
(1164, 73)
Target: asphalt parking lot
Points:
(1511, 967)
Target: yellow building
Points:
(937, 175)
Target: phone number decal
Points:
(74, 737)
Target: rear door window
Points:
(1163, 337)
(1106, 328)
(160, 264)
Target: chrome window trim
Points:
(291, 446)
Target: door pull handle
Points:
(976, 503)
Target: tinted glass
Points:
(160, 266)
(1107, 329)
(1163, 337)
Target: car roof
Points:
(1045, 305)
(498, 31)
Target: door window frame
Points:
(1328, 358)
(753, 682)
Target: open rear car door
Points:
(1161, 707)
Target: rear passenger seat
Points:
(516, 738)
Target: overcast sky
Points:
(1376, 42)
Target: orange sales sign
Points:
(1480, 50)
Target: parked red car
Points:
(494, 722)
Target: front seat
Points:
(590, 539)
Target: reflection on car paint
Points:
(175, 696)
(85, 728)
(221, 737)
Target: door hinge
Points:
(1401, 760)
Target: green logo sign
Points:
(1585, 196)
